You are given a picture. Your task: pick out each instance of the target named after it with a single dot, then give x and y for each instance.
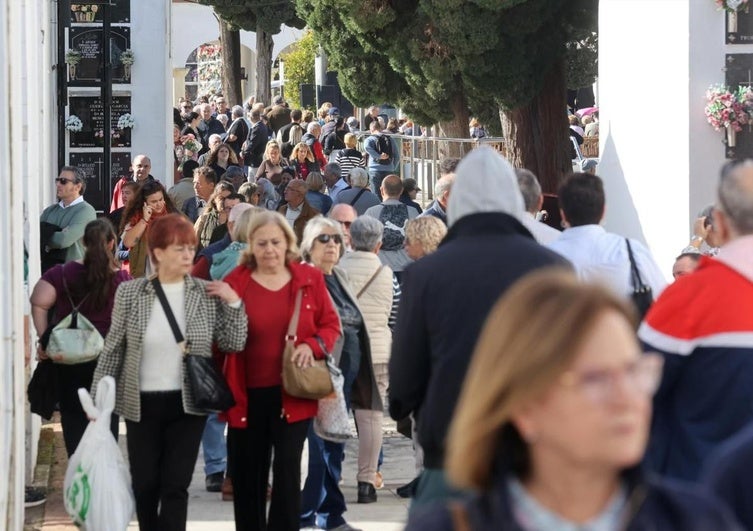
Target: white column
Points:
(151, 81)
(660, 160)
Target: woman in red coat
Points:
(265, 417)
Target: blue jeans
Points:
(213, 443)
(377, 177)
(322, 501)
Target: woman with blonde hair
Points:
(423, 235)
(303, 161)
(265, 418)
(350, 157)
(553, 421)
(273, 163)
(314, 196)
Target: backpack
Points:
(393, 217)
(384, 145)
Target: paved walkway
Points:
(206, 511)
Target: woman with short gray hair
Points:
(358, 196)
(322, 503)
(378, 294)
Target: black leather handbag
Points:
(209, 388)
(642, 296)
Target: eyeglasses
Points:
(325, 238)
(599, 385)
(64, 181)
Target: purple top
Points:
(75, 273)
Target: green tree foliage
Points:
(299, 66)
(444, 60)
(266, 18)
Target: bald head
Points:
(392, 187)
(141, 166)
(345, 215)
(736, 196)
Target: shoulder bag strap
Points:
(357, 197)
(635, 274)
(293, 326)
(184, 345)
(366, 286)
(75, 307)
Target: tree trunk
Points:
(537, 134)
(456, 128)
(264, 44)
(231, 64)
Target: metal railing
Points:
(420, 157)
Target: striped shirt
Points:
(349, 159)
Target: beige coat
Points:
(375, 302)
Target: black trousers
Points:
(250, 454)
(162, 451)
(72, 416)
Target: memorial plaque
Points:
(98, 192)
(739, 73)
(88, 41)
(91, 112)
(739, 26)
(90, 13)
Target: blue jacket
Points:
(728, 474)
(370, 146)
(481, 256)
(703, 326)
(654, 504)
(436, 210)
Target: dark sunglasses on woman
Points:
(325, 238)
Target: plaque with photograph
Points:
(91, 112)
(739, 26)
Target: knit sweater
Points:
(73, 221)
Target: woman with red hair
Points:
(141, 353)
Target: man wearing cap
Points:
(331, 123)
(485, 251)
(278, 115)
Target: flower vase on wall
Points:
(731, 136)
(732, 21)
(72, 71)
(127, 72)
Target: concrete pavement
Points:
(206, 511)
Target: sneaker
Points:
(213, 482)
(34, 496)
(366, 492)
(378, 481)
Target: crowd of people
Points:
(508, 346)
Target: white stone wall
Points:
(660, 160)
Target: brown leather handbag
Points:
(303, 382)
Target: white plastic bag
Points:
(97, 484)
(331, 422)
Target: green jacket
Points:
(73, 221)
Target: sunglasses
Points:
(325, 238)
(64, 181)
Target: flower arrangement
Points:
(732, 6)
(126, 121)
(188, 149)
(74, 124)
(728, 109)
(127, 58)
(85, 12)
(72, 57)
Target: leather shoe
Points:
(366, 492)
(408, 490)
(227, 490)
(213, 482)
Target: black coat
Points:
(446, 298)
(654, 505)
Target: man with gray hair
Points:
(335, 183)
(358, 196)
(703, 327)
(486, 250)
(533, 199)
(238, 130)
(214, 142)
(209, 125)
(311, 138)
(345, 215)
(255, 144)
(438, 207)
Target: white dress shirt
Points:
(600, 256)
(292, 213)
(543, 233)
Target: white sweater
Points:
(161, 356)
